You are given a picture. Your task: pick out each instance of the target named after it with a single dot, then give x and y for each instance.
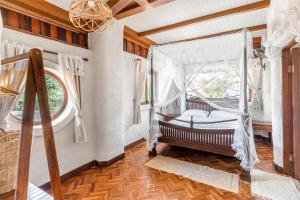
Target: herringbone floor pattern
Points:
(129, 179)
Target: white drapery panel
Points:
(72, 69)
(194, 57)
(142, 70)
(255, 78)
(12, 76)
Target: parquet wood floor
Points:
(129, 179)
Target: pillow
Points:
(218, 114)
(201, 113)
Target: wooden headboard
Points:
(198, 104)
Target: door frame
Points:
(287, 108)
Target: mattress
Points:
(214, 126)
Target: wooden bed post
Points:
(245, 175)
(153, 150)
(36, 85)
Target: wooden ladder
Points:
(35, 85)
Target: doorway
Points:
(291, 110)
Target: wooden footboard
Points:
(215, 141)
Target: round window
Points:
(57, 97)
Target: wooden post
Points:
(245, 175)
(26, 136)
(35, 84)
(153, 151)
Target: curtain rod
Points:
(55, 53)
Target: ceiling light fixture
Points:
(91, 15)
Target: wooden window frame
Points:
(63, 107)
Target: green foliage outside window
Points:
(55, 97)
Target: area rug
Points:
(273, 186)
(202, 174)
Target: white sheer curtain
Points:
(12, 76)
(72, 70)
(255, 75)
(200, 54)
(142, 70)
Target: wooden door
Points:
(296, 111)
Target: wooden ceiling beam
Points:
(144, 3)
(120, 6)
(132, 35)
(140, 9)
(251, 29)
(233, 11)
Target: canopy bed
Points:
(200, 129)
(203, 124)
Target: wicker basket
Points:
(9, 149)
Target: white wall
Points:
(114, 92)
(267, 100)
(70, 155)
(108, 80)
(277, 120)
(107, 91)
(283, 26)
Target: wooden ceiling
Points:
(232, 11)
(125, 8)
(50, 13)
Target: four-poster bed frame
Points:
(215, 141)
(210, 140)
(35, 85)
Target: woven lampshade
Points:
(91, 15)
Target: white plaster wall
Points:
(70, 155)
(267, 100)
(108, 80)
(132, 132)
(277, 123)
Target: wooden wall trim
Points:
(133, 144)
(109, 162)
(287, 107)
(70, 174)
(83, 168)
(42, 10)
(30, 25)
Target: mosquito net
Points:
(209, 69)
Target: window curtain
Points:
(12, 76)
(72, 70)
(255, 78)
(142, 70)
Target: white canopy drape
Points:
(72, 69)
(179, 63)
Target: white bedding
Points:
(215, 117)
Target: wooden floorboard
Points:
(129, 179)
